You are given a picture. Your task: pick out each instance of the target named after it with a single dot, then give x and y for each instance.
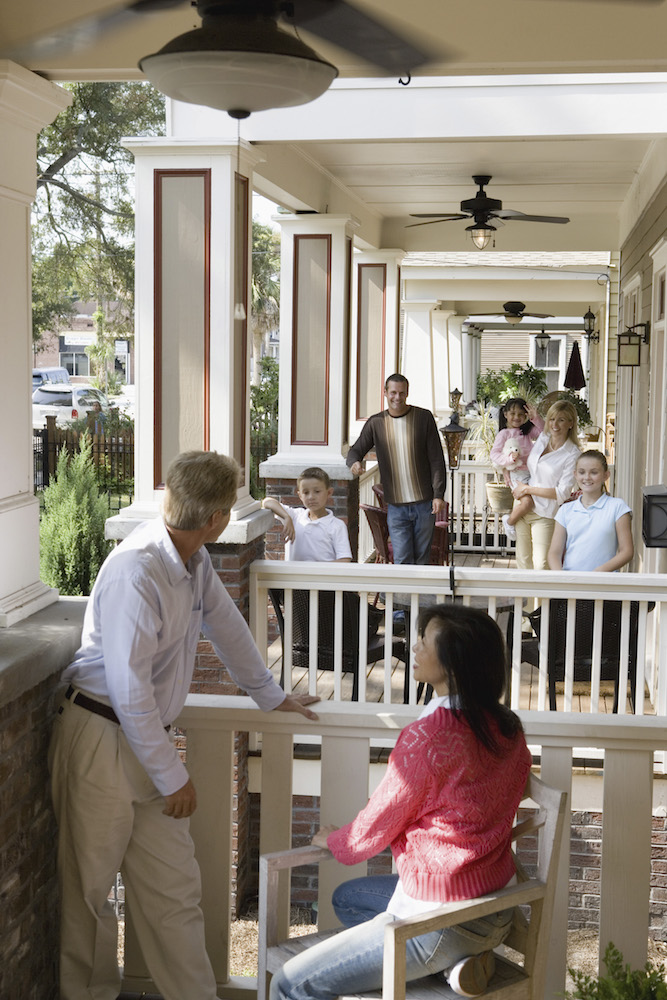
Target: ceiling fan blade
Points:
(538, 315)
(353, 30)
(84, 31)
(510, 216)
(443, 218)
(437, 215)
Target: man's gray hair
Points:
(197, 484)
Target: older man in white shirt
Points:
(121, 793)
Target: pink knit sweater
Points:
(446, 805)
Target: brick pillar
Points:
(232, 563)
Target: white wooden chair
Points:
(519, 975)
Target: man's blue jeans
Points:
(411, 531)
(351, 961)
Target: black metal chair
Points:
(325, 634)
(583, 643)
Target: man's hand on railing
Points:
(297, 703)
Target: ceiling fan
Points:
(241, 59)
(514, 312)
(482, 209)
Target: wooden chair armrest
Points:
(398, 932)
(294, 857)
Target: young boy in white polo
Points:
(312, 532)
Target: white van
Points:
(42, 375)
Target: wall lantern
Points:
(590, 333)
(629, 345)
(542, 340)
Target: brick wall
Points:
(28, 886)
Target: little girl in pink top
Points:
(520, 425)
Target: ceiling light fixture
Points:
(481, 234)
(238, 65)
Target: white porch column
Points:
(193, 264)
(417, 360)
(441, 362)
(375, 332)
(471, 363)
(27, 104)
(315, 279)
(458, 354)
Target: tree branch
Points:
(85, 199)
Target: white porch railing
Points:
(501, 593)
(345, 731)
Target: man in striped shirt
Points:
(412, 470)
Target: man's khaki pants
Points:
(110, 818)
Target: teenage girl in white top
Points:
(594, 532)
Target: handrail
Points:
(642, 618)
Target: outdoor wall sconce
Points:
(542, 340)
(590, 333)
(629, 345)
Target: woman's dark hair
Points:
(472, 651)
(507, 405)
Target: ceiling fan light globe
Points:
(238, 81)
(239, 65)
(481, 236)
(512, 320)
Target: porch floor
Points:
(375, 671)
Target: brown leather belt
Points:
(97, 707)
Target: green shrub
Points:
(72, 543)
(621, 982)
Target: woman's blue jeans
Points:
(351, 961)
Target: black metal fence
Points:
(112, 456)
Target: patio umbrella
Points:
(574, 376)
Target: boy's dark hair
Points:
(472, 651)
(314, 472)
(525, 428)
(396, 378)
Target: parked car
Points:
(65, 403)
(42, 375)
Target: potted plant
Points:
(483, 422)
(621, 982)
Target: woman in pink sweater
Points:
(446, 806)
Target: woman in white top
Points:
(551, 466)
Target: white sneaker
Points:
(510, 530)
(470, 977)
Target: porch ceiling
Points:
(476, 37)
(346, 158)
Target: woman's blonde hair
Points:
(197, 484)
(565, 407)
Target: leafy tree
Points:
(83, 218)
(518, 380)
(72, 543)
(264, 290)
(263, 421)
